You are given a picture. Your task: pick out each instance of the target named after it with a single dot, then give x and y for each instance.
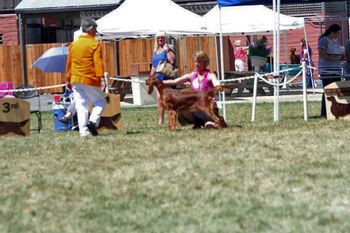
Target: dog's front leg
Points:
(172, 120)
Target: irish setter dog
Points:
(175, 102)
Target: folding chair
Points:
(291, 73)
(35, 107)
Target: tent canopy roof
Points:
(143, 18)
(252, 19)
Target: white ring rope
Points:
(260, 76)
(265, 74)
(282, 84)
(127, 80)
(34, 89)
(233, 79)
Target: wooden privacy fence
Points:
(140, 51)
(39, 79)
(130, 51)
(10, 62)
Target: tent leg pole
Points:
(185, 55)
(286, 59)
(222, 66)
(254, 97)
(217, 60)
(22, 50)
(116, 56)
(199, 43)
(304, 90)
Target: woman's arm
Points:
(214, 79)
(331, 57)
(178, 81)
(153, 71)
(170, 54)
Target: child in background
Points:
(240, 53)
(306, 55)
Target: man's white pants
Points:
(84, 94)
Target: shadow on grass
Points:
(134, 132)
(314, 117)
(234, 126)
(317, 117)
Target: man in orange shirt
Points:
(85, 77)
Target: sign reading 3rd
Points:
(14, 117)
(6, 107)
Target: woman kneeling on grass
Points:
(201, 79)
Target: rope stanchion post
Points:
(304, 90)
(276, 99)
(254, 97)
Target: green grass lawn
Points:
(291, 176)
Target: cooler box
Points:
(139, 91)
(59, 110)
(337, 97)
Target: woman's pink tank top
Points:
(201, 85)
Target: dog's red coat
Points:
(175, 102)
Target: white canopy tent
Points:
(253, 19)
(147, 17)
(136, 18)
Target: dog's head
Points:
(293, 50)
(151, 82)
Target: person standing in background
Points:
(330, 57)
(306, 55)
(85, 77)
(162, 52)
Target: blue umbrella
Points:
(53, 60)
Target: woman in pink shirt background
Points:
(240, 53)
